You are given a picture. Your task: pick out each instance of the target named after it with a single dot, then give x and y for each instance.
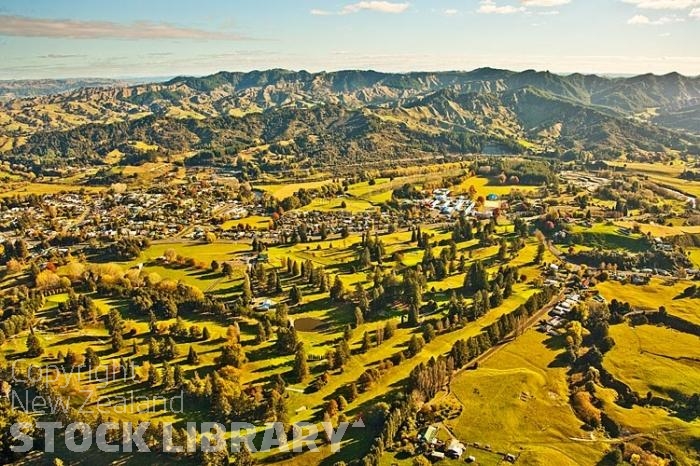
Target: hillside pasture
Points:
(518, 401)
(659, 292)
(657, 359)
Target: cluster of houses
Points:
(558, 315)
(446, 205)
(188, 211)
(442, 202)
(587, 181)
(437, 450)
(157, 213)
(334, 223)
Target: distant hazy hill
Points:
(687, 119)
(15, 89)
(535, 111)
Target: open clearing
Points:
(280, 191)
(518, 401)
(656, 359)
(659, 292)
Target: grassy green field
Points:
(351, 205)
(204, 279)
(608, 236)
(256, 222)
(656, 425)
(657, 293)
(695, 256)
(661, 230)
(282, 190)
(664, 174)
(485, 186)
(23, 188)
(518, 401)
(657, 359)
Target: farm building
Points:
(428, 435)
(455, 449)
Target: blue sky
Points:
(129, 38)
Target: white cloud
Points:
(22, 26)
(645, 20)
(665, 34)
(380, 6)
(450, 12)
(663, 4)
(544, 3)
(488, 7)
(639, 19)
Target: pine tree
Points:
(192, 357)
(428, 333)
(332, 408)
(178, 376)
(341, 354)
(323, 282)
(260, 334)
(287, 339)
(352, 391)
(153, 375)
(359, 317)
(168, 376)
(413, 314)
(282, 314)
(496, 297)
(295, 295)
(365, 258)
(389, 329)
(243, 457)
(227, 269)
(170, 349)
(246, 292)
(366, 343)
(278, 384)
(361, 297)
(415, 345)
(338, 289)
(152, 322)
(301, 367)
(92, 360)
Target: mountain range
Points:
(323, 117)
